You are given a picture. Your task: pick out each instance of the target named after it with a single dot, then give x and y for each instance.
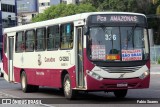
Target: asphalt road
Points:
(92, 99)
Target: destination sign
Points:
(116, 18)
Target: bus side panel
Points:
(34, 76)
(29, 72)
(45, 77)
(17, 74)
(56, 81)
(50, 77)
(5, 63)
(55, 78)
(31, 76)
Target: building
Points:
(55, 2)
(8, 14)
(43, 5)
(70, 1)
(27, 9)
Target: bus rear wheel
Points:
(120, 93)
(68, 91)
(25, 87)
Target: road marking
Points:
(47, 105)
(5, 95)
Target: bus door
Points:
(10, 58)
(79, 57)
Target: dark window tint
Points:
(30, 39)
(8, 8)
(53, 37)
(40, 39)
(20, 46)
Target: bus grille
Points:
(121, 69)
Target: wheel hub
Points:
(23, 82)
(67, 87)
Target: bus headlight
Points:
(145, 74)
(94, 75)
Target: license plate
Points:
(122, 85)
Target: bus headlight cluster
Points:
(145, 74)
(94, 75)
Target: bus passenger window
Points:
(29, 37)
(20, 42)
(67, 36)
(40, 39)
(53, 37)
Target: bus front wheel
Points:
(120, 93)
(68, 91)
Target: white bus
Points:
(96, 51)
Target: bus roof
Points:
(61, 20)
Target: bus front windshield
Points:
(118, 43)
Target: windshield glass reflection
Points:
(118, 43)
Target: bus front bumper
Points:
(116, 84)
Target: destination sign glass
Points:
(117, 18)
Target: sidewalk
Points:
(155, 65)
(155, 68)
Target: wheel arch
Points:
(22, 70)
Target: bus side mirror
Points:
(86, 31)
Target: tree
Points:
(157, 3)
(155, 21)
(145, 7)
(117, 5)
(139, 6)
(113, 5)
(62, 10)
(95, 3)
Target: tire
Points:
(34, 88)
(120, 93)
(1, 74)
(25, 87)
(61, 89)
(69, 93)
